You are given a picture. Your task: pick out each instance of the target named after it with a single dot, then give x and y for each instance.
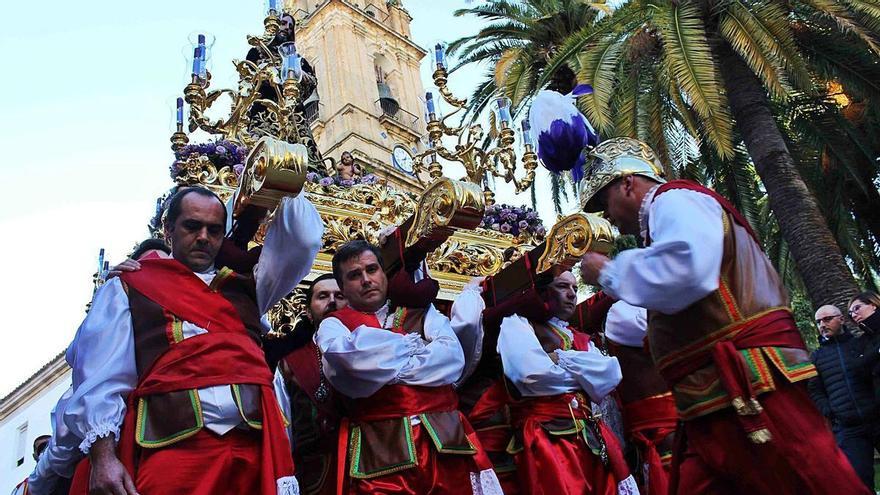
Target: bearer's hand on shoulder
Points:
(129, 265)
(108, 475)
(591, 266)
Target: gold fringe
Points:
(743, 408)
(760, 436)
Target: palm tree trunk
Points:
(826, 275)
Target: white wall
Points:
(36, 413)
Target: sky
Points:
(86, 104)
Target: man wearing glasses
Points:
(843, 391)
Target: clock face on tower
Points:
(401, 159)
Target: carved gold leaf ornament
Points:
(284, 316)
(572, 237)
(473, 260)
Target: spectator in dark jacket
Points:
(843, 391)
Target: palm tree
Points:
(521, 38)
(716, 68)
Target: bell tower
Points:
(369, 92)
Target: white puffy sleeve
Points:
(683, 263)
(103, 365)
(61, 455)
(534, 374)
(526, 364)
(360, 362)
(292, 242)
(467, 323)
(595, 373)
(440, 361)
(626, 324)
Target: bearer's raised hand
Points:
(129, 265)
(591, 266)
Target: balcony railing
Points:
(399, 116)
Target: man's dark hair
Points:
(310, 289)
(175, 204)
(148, 245)
(349, 250)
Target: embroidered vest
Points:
(381, 439)
(559, 415)
(749, 290)
(164, 419)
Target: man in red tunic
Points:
(395, 368)
(314, 407)
(720, 331)
(168, 364)
(649, 416)
(554, 374)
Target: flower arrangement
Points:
(220, 153)
(514, 220)
(334, 180)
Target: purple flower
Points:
(563, 132)
(238, 168)
(220, 149)
(505, 227)
(531, 215)
(523, 224)
(369, 179)
(346, 183)
(326, 181)
(540, 231)
(496, 226)
(312, 177)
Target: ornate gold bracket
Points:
(273, 169)
(574, 236)
(447, 205)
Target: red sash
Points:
(204, 360)
(648, 422)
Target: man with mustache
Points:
(168, 374)
(395, 367)
(720, 330)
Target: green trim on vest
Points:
(446, 448)
(143, 418)
(356, 454)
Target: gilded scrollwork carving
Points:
(444, 207)
(197, 170)
(338, 231)
(475, 260)
(571, 237)
(284, 316)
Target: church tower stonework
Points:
(369, 92)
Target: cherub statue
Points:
(347, 168)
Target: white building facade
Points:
(24, 415)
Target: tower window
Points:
(20, 444)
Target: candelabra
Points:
(499, 161)
(265, 102)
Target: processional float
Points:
(443, 221)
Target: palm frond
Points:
(843, 18)
(598, 68)
(689, 60)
